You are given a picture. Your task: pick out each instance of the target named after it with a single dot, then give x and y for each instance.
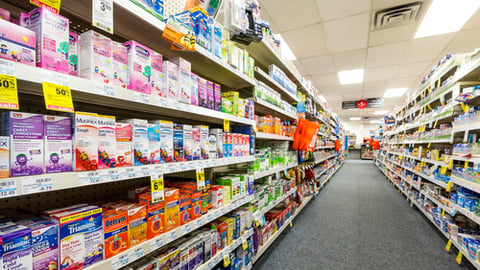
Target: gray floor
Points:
(359, 221)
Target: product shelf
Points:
(449, 210)
(264, 77)
(274, 170)
(268, 136)
(427, 215)
(262, 249)
(324, 147)
(429, 178)
(465, 253)
(465, 183)
(469, 159)
(271, 205)
(443, 116)
(127, 14)
(323, 159)
(58, 181)
(266, 108)
(442, 140)
(83, 90)
(466, 127)
(146, 247)
(226, 251)
(434, 162)
(467, 213)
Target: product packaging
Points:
(107, 142)
(202, 92)
(194, 89)
(57, 132)
(85, 141)
(140, 141)
(95, 57)
(154, 143)
(115, 231)
(187, 143)
(172, 209)
(170, 80)
(4, 156)
(44, 244)
(178, 153)
(139, 67)
(17, 43)
(73, 50)
(184, 79)
(119, 64)
(123, 133)
(157, 80)
(16, 246)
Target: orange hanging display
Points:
(305, 134)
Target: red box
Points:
(196, 208)
(155, 215)
(185, 208)
(115, 231)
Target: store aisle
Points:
(359, 221)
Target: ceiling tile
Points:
(375, 87)
(392, 35)
(402, 83)
(318, 64)
(428, 48)
(326, 80)
(350, 60)
(464, 42)
(304, 47)
(412, 69)
(341, 8)
(381, 4)
(284, 14)
(378, 74)
(300, 68)
(385, 55)
(348, 33)
(473, 22)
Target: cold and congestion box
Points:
(157, 80)
(184, 79)
(73, 51)
(154, 143)
(170, 80)
(140, 141)
(58, 143)
(107, 142)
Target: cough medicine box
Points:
(119, 64)
(95, 56)
(85, 141)
(107, 142)
(17, 43)
(185, 206)
(210, 95)
(16, 248)
(58, 143)
(139, 67)
(172, 209)
(155, 215)
(123, 133)
(137, 223)
(73, 50)
(188, 142)
(204, 141)
(51, 33)
(4, 156)
(202, 92)
(166, 141)
(139, 141)
(178, 153)
(184, 79)
(196, 143)
(157, 80)
(154, 143)
(170, 80)
(44, 244)
(26, 142)
(194, 89)
(115, 230)
(80, 237)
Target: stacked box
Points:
(95, 57)
(107, 142)
(123, 133)
(157, 80)
(85, 141)
(170, 80)
(73, 51)
(57, 132)
(187, 142)
(139, 67)
(184, 79)
(16, 247)
(119, 64)
(154, 143)
(178, 153)
(4, 156)
(140, 141)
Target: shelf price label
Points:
(157, 186)
(57, 97)
(244, 244)
(459, 257)
(102, 15)
(226, 260)
(52, 5)
(200, 173)
(449, 186)
(35, 185)
(8, 92)
(450, 163)
(443, 170)
(226, 125)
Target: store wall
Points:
(360, 130)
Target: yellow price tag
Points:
(465, 107)
(291, 224)
(57, 97)
(465, 165)
(429, 107)
(158, 189)
(443, 170)
(459, 257)
(434, 125)
(449, 186)
(200, 178)
(449, 245)
(428, 146)
(52, 5)
(226, 125)
(443, 212)
(8, 92)
(450, 163)
(226, 260)
(244, 244)
(439, 83)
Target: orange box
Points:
(172, 209)
(196, 208)
(115, 231)
(185, 206)
(155, 215)
(137, 223)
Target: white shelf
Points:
(274, 170)
(465, 253)
(148, 246)
(424, 212)
(271, 205)
(324, 147)
(449, 210)
(434, 162)
(469, 159)
(447, 140)
(274, 237)
(323, 159)
(224, 252)
(266, 108)
(466, 212)
(466, 127)
(465, 183)
(413, 126)
(287, 95)
(58, 181)
(268, 136)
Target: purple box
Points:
(194, 89)
(202, 92)
(210, 96)
(58, 143)
(26, 142)
(217, 97)
(44, 244)
(16, 249)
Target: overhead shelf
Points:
(274, 170)
(266, 108)
(58, 181)
(258, 214)
(264, 77)
(268, 136)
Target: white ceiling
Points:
(328, 36)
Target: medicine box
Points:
(107, 142)
(85, 141)
(58, 143)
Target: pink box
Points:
(24, 19)
(156, 81)
(210, 98)
(170, 79)
(51, 32)
(119, 64)
(73, 53)
(194, 89)
(202, 92)
(4, 14)
(95, 57)
(217, 97)
(139, 67)
(17, 43)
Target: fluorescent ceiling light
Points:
(380, 112)
(374, 121)
(354, 118)
(286, 51)
(350, 76)
(446, 16)
(395, 92)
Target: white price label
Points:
(102, 15)
(141, 97)
(55, 77)
(8, 188)
(144, 171)
(173, 235)
(110, 175)
(7, 67)
(157, 243)
(157, 187)
(138, 253)
(35, 185)
(104, 88)
(130, 172)
(120, 261)
(89, 178)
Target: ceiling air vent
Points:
(396, 16)
(371, 103)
